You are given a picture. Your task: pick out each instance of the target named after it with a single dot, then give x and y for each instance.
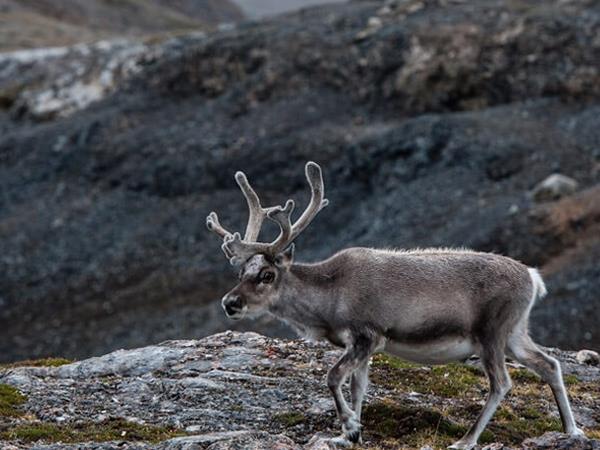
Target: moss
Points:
(571, 380)
(524, 375)
(520, 427)
(384, 360)
(44, 362)
(406, 425)
(527, 376)
(593, 434)
(10, 400)
(115, 429)
(523, 415)
(450, 380)
(290, 418)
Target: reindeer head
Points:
(263, 265)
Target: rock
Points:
(231, 440)
(320, 442)
(554, 187)
(63, 80)
(257, 441)
(45, 23)
(559, 441)
(588, 357)
(264, 399)
(428, 130)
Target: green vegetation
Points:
(44, 362)
(390, 424)
(383, 360)
(524, 375)
(570, 380)
(109, 430)
(513, 425)
(398, 425)
(10, 400)
(290, 418)
(448, 381)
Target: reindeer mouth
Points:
(235, 313)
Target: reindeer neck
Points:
(305, 297)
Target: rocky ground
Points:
(48, 23)
(434, 122)
(243, 390)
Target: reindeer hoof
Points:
(351, 430)
(577, 432)
(354, 437)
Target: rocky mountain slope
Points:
(48, 23)
(255, 9)
(433, 121)
(246, 391)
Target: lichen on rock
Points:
(246, 391)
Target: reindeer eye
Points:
(267, 277)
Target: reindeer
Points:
(430, 306)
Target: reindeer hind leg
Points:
(492, 358)
(524, 350)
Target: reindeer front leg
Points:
(355, 358)
(358, 387)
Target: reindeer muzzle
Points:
(234, 306)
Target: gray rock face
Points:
(246, 391)
(557, 442)
(433, 122)
(588, 357)
(554, 187)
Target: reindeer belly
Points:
(439, 351)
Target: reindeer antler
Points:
(238, 250)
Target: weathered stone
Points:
(554, 187)
(429, 129)
(559, 441)
(277, 399)
(589, 357)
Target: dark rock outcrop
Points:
(433, 122)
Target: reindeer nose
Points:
(232, 304)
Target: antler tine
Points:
(238, 250)
(283, 217)
(257, 213)
(213, 224)
(317, 202)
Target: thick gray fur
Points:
(430, 306)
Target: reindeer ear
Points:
(286, 257)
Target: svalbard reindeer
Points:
(429, 306)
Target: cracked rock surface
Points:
(433, 122)
(246, 391)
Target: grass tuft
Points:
(109, 430)
(449, 380)
(290, 419)
(10, 400)
(407, 425)
(44, 362)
